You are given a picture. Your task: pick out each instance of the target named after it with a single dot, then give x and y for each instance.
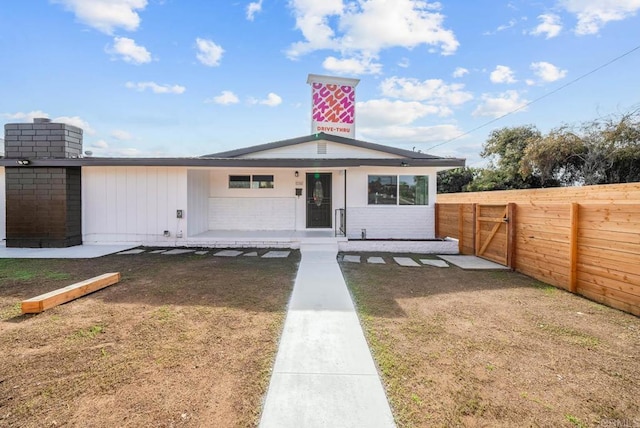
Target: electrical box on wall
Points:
(179, 213)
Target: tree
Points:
(455, 180)
(505, 149)
(556, 158)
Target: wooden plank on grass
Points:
(66, 294)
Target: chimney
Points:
(333, 105)
(42, 139)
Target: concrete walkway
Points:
(324, 375)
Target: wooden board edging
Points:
(66, 294)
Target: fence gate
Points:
(494, 233)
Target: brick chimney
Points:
(43, 203)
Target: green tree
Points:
(505, 149)
(455, 180)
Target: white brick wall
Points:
(252, 213)
(389, 222)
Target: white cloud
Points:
(272, 100)
(459, 72)
(502, 74)
(106, 15)
(209, 53)
(404, 63)
(411, 134)
(550, 26)
(352, 66)
(547, 72)
(100, 144)
(383, 112)
(120, 134)
(26, 117)
(253, 8)
(594, 14)
(129, 51)
(510, 24)
(75, 121)
(367, 27)
(156, 88)
(430, 90)
(504, 103)
(225, 98)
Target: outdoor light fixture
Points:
(297, 174)
(23, 162)
(404, 164)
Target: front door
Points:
(318, 200)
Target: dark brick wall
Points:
(43, 207)
(42, 140)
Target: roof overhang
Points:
(237, 162)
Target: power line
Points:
(559, 88)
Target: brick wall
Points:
(43, 204)
(42, 139)
(43, 207)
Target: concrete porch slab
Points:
(472, 262)
(77, 252)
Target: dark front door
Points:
(318, 200)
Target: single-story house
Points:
(321, 185)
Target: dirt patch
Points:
(487, 348)
(182, 340)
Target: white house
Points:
(322, 185)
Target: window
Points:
(251, 182)
(239, 181)
(398, 190)
(262, 182)
(383, 189)
(414, 190)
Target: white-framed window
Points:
(398, 190)
(263, 181)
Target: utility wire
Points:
(559, 88)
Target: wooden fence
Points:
(583, 239)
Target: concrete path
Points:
(324, 375)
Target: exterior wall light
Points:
(404, 164)
(297, 174)
(23, 162)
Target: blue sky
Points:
(185, 78)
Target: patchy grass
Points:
(182, 340)
(478, 348)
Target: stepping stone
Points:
(436, 263)
(228, 253)
(178, 251)
(251, 254)
(352, 259)
(376, 260)
(157, 251)
(276, 254)
(405, 261)
(201, 253)
(134, 251)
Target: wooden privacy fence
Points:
(583, 239)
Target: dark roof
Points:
(322, 136)
(236, 162)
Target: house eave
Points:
(237, 162)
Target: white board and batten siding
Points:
(388, 221)
(133, 204)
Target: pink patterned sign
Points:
(333, 108)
